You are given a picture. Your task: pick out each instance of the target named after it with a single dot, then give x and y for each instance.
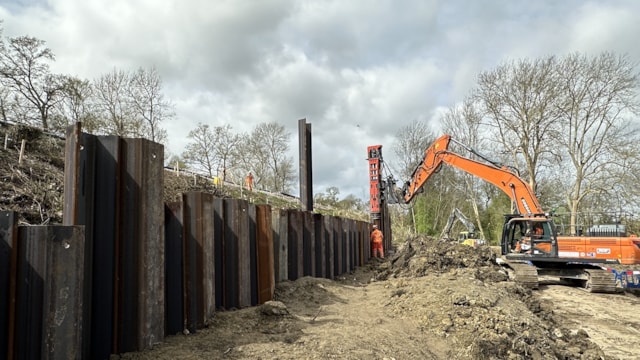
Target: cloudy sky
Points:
(356, 70)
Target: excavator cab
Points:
(528, 237)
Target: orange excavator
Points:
(527, 254)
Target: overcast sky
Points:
(357, 70)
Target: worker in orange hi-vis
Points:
(376, 242)
(248, 182)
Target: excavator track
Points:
(524, 274)
(600, 281)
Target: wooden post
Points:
(21, 151)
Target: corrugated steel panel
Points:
(253, 254)
(320, 245)
(281, 244)
(199, 259)
(238, 280)
(305, 166)
(295, 254)
(242, 227)
(8, 261)
(338, 249)
(92, 177)
(174, 229)
(140, 283)
(102, 227)
(218, 241)
(329, 247)
(50, 288)
(265, 263)
(309, 246)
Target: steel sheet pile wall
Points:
(126, 269)
(307, 244)
(114, 187)
(219, 255)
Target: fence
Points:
(125, 269)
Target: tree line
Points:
(569, 125)
(132, 103)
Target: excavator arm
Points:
(504, 178)
(457, 214)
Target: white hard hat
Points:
(375, 226)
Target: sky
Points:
(357, 71)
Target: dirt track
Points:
(611, 320)
(432, 300)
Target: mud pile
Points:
(458, 293)
(424, 255)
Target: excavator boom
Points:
(505, 179)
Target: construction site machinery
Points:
(525, 257)
(464, 237)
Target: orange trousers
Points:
(375, 247)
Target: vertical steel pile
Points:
(265, 254)
(306, 169)
(176, 312)
(114, 187)
(50, 284)
(8, 263)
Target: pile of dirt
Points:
(423, 255)
(473, 304)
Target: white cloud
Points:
(356, 70)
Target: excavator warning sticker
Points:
(591, 254)
(603, 251)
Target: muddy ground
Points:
(431, 300)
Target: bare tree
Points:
(5, 104)
(226, 149)
(75, 105)
(24, 70)
(112, 104)
(265, 154)
(598, 97)
(201, 151)
(518, 100)
(148, 103)
(411, 142)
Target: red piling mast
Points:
(375, 165)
